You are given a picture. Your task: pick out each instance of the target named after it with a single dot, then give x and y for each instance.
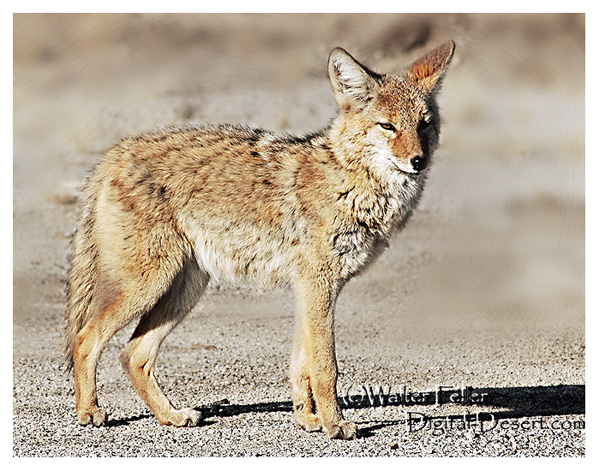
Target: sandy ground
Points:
(484, 289)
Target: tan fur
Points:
(165, 212)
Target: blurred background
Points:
(498, 242)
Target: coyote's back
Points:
(164, 212)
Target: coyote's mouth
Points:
(405, 172)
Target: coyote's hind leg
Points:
(109, 315)
(139, 356)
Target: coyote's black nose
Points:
(419, 163)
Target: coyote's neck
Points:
(384, 195)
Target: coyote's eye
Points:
(387, 126)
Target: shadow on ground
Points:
(511, 403)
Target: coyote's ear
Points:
(352, 82)
(429, 69)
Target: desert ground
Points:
(466, 338)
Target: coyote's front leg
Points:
(314, 366)
(304, 408)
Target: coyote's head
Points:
(390, 119)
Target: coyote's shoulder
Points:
(164, 212)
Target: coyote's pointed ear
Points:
(429, 69)
(352, 82)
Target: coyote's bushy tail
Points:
(81, 277)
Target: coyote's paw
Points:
(344, 429)
(94, 415)
(309, 422)
(183, 418)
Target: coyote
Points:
(164, 212)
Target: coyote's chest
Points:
(365, 231)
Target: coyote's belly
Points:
(243, 254)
